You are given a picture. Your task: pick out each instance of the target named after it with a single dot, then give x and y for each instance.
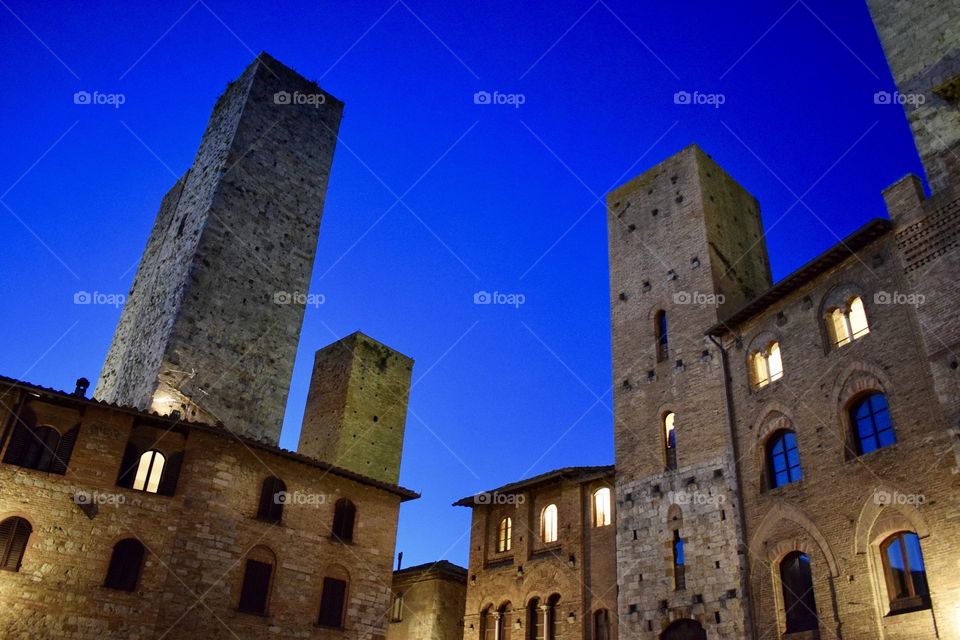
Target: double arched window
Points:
(796, 583)
(125, 565)
(766, 365)
(848, 322)
(505, 535)
(14, 534)
(870, 423)
(548, 524)
(905, 573)
(783, 459)
(602, 515)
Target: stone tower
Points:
(212, 321)
(686, 247)
(922, 44)
(357, 407)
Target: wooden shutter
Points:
(64, 450)
(344, 514)
(14, 534)
(271, 507)
(331, 603)
(17, 450)
(128, 466)
(125, 565)
(171, 474)
(256, 587)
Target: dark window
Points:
(488, 624)
(783, 459)
(553, 603)
(41, 448)
(256, 587)
(679, 575)
(332, 600)
(14, 533)
(872, 427)
(663, 347)
(125, 565)
(344, 515)
(601, 625)
(272, 496)
(905, 573)
(799, 605)
(534, 620)
(505, 622)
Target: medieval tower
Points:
(211, 325)
(686, 245)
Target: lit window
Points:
(679, 566)
(663, 346)
(14, 534)
(872, 427)
(149, 472)
(905, 573)
(125, 564)
(396, 612)
(548, 524)
(796, 581)
(670, 440)
(767, 365)
(783, 459)
(505, 535)
(601, 507)
(849, 323)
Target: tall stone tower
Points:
(686, 246)
(357, 407)
(922, 44)
(213, 318)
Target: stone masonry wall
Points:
(433, 603)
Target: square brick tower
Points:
(212, 321)
(686, 247)
(356, 409)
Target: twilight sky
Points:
(434, 197)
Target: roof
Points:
(440, 567)
(183, 424)
(567, 473)
(830, 258)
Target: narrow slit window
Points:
(505, 535)
(548, 524)
(663, 340)
(670, 440)
(601, 507)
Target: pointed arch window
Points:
(766, 365)
(663, 339)
(905, 573)
(505, 535)
(872, 427)
(126, 562)
(14, 535)
(848, 323)
(548, 524)
(783, 459)
(670, 440)
(602, 515)
(799, 604)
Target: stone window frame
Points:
(259, 553)
(271, 511)
(345, 533)
(542, 524)
(335, 572)
(761, 343)
(593, 491)
(31, 526)
(775, 418)
(839, 296)
(856, 381)
(110, 561)
(775, 555)
(540, 501)
(504, 534)
(668, 453)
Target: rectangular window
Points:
(256, 586)
(331, 603)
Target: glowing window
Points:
(767, 365)
(670, 440)
(849, 323)
(601, 507)
(396, 612)
(548, 524)
(505, 535)
(149, 472)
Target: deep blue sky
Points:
(509, 202)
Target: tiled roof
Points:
(566, 473)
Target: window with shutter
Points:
(344, 515)
(63, 452)
(125, 565)
(14, 534)
(256, 587)
(272, 496)
(332, 600)
(128, 466)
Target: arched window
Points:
(344, 515)
(41, 448)
(670, 440)
(125, 565)
(548, 524)
(14, 534)
(505, 621)
(783, 459)
(534, 620)
(488, 624)
(505, 535)
(601, 507)
(799, 605)
(848, 323)
(601, 625)
(663, 341)
(272, 496)
(396, 611)
(872, 427)
(257, 580)
(679, 562)
(333, 600)
(550, 618)
(149, 472)
(767, 365)
(906, 576)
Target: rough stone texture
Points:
(921, 40)
(580, 568)
(356, 408)
(197, 539)
(433, 599)
(686, 239)
(213, 318)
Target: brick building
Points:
(164, 507)
(543, 558)
(428, 602)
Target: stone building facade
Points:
(428, 602)
(543, 559)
